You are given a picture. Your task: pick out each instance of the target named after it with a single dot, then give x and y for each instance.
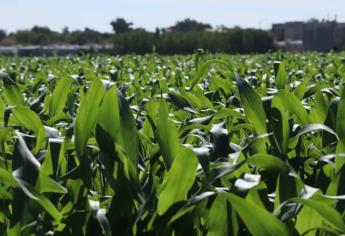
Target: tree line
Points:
(39, 35)
(183, 37)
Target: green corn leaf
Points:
(328, 214)
(281, 129)
(307, 219)
(24, 165)
(130, 139)
(87, 115)
(12, 93)
(320, 108)
(217, 223)
(30, 120)
(252, 105)
(204, 67)
(7, 178)
(293, 105)
(116, 118)
(25, 172)
(40, 199)
(282, 76)
(109, 114)
(340, 128)
(178, 180)
(258, 220)
(311, 128)
(59, 96)
(301, 89)
(167, 135)
(268, 162)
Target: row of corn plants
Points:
(181, 145)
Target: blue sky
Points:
(96, 14)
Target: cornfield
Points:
(182, 145)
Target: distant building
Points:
(313, 35)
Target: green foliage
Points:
(38, 35)
(184, 37)
(190, 25)
(2, 35)
(186, 42)
(120, 25)
(204, 144)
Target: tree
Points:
(136, 41)
(40, 29)
(65, 30)
(120, 25)
(312, 20)
(2, 35)
(189, 25)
